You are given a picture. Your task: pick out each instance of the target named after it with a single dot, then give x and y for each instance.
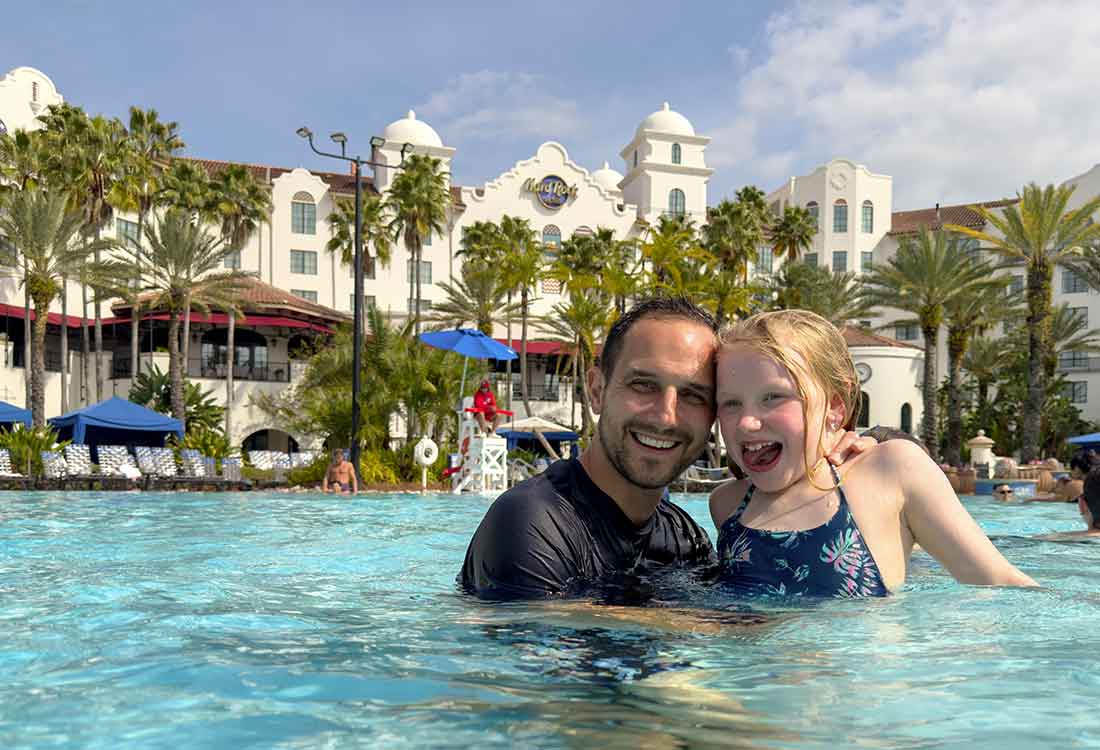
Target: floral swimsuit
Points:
(831, 560)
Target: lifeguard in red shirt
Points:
(485, 407)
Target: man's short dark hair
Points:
(1081, 462)
(1092, 495)
(654, 307)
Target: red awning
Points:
(16, 311)
(275, 321)
(535, 347)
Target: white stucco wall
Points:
(895, 380)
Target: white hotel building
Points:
(304, 290)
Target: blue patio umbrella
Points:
(469, 342)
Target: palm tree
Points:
(929, 270)
(186, 186)
(373, 233)
(522, 268)
(983, 361)
(418, 201)
(671, 253)
(1040, 232)
(239, 203)
(579, 324)
(477, 297)
(792, 233)
(22, 159)
(185, 268)
(837, 297)
(43, 232)
(969, 314)
(151, 143)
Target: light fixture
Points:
(377, 141)
(338, 138)
(304, 132)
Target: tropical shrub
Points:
(26, 446)
(153, 389)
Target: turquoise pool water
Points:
(305, 621)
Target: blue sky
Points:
(958, 101)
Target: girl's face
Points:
(761, 418)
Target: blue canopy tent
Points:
(116, 421)
(11, 414)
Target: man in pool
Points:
(604, 519)
(340, 475)
(1088, 504)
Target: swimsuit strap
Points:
(736, 517)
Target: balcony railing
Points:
(537, 392)
(1086, 364)
(270, 372)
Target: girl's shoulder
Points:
(725, 499)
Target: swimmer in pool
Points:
(340, 475)
(786, 387)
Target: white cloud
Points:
(490, 105)
(958, 101)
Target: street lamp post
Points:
(357, 304)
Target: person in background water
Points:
(796, 525)
(340, 475)
(1089, 506)
(485, 402)
(1004, 493)
(602, 521)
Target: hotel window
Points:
(303, 261)
(369, 301)
(676, 155)
(676, 202)
(305, 294)
(866, 262)
(426, 241)
(425, 305)
(1016, 286)
(303, 214)
(972, 248)
(583, 231)
(232, 260)
(1072, 360)
(812, 210)
(811, 260)
(840, 216)
(765, 260)
(1076, 391)
(907, 418)
(425, 272)
(1082, 314)
(906, 333)
(128, 232)
(370, 268)
(551, 243)
(868, 218)
(1072, 283)
(635, 157)
(840, 261)
(34, 91)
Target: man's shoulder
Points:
(532, 496)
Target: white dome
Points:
(607, 178)
(665, 120)
(411, 130)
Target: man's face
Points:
(657, 408)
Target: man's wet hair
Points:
(1092, 495)
(653, 307)
(1081, 462)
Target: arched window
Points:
(583, 231)
(864, 419)
(676, 153)
(840, 215)
(34, 91)
(907, 418)
(551, 244)
(676, 202)
(303, 214)
(868, 217)
(250, 361)
(812, 210)
(635, 157)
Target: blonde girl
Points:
(786, 388)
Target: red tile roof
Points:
(908, 222)
(855, 336)
(262, 298)
(339, 181)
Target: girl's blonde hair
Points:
(812, 350)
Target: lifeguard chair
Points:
(482, 464)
